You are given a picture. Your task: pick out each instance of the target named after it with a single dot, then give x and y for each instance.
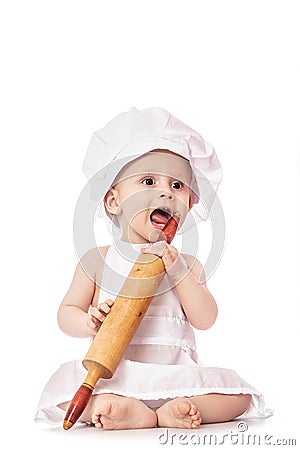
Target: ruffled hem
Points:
(132, 379)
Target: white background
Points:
(230, 69)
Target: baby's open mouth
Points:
(159, 217)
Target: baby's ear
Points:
(191, 202)
(111, 201)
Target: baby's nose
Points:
(166, 194)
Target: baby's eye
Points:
(148, 181)
(177, 185)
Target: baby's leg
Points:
(210, 408)
(114, 412)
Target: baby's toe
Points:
(193, 410)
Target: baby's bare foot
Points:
(178, 413)
(113, 412)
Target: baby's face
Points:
(148, 191)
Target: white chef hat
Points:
(136, 132)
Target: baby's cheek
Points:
(136, 203)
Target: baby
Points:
(159, 381)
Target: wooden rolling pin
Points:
(120, 325)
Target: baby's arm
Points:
(185, 271)
(73, 314)
(196, 300)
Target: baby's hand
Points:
(97, 315)
(174, 263)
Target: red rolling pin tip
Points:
(67, 424)
(170, 228)
(77, 405)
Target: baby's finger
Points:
(168, 257)
(158, 248)
(104, 308)
(109, 302)
(93, 325)
(95, 313)
(102, 317)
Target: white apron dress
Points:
(161, 361)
